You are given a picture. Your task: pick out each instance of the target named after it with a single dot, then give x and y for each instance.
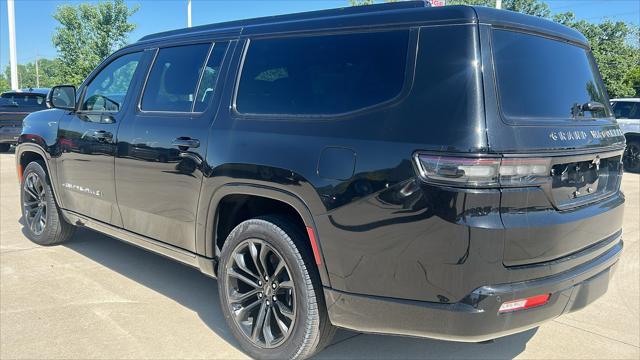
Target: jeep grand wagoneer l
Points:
(446, 172)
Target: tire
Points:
(50, 228)
(5, 147)
(631, 157)
(299, 303)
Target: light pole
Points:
(13, 58)
(188, 13)
(37, 71)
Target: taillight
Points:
(483, 172)
(526, 303)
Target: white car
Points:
(627, 112)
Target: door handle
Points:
(102, 135)
(183, 143)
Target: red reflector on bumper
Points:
(525, 303)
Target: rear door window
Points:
(321, 75)
(172, 81)
(543, 78)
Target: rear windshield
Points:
(23, 100)
(541, 78)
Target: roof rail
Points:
(349, 10)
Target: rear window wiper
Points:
(577, 110)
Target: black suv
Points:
(446, 172)
(15, 106)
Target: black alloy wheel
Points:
(270, 290)
(261, 293)
(43, 222)
(34, 203)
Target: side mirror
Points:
(62, 97)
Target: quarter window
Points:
(108, 89)
(320, 75)
(172, 82)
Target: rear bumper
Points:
(476, 317)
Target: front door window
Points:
(108, 89)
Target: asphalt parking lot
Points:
(98, 298)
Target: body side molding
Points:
(205, 265)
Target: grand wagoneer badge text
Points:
(583, 135)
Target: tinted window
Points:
(209, 79)
(173, 78)
(108, 89)
(322, 74)
(626, 110)
(544, 78)
(23, 99)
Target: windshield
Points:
(542, 78)
(626, 109)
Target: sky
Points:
(35, 24)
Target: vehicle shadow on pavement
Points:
(183, 284)
(199, 293)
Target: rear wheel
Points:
(4, 147)
(270, 291)
(43, 223)
(631, 157)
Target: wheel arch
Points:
(211, 236)
(29, 152)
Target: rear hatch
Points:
(14, 107)
(552, 105)
(11, 118)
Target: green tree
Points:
(88, 33)
(633, 78)
(614, 46)
(48, 72)
(530, 7)
(4, 84)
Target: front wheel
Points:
(270, 291)
(631, 158)
(43, 223)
